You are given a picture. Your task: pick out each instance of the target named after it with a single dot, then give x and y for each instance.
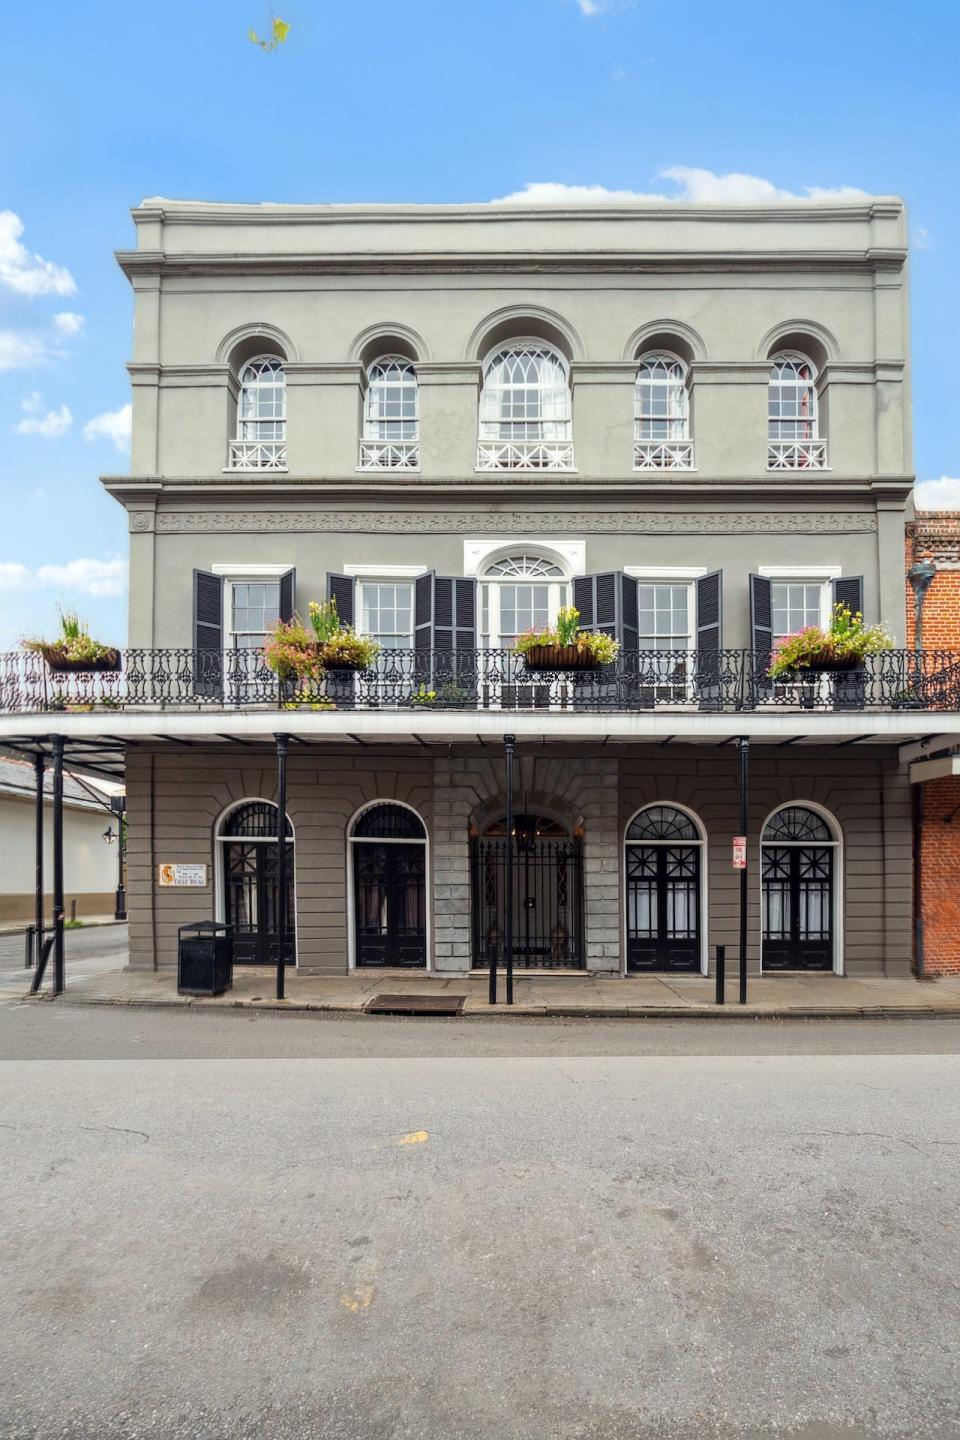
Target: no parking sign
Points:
(739, 852)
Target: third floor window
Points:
(261, 437)
(793, 436)
(391, 416)
(525, 413)
(662, 415)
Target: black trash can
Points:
(204, 958)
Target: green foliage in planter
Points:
(291, 652)
(600, 647)
(74, 645)
(847, 641)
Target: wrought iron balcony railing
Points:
(525, 455)
(796, 455)
(478, 680)
(389, 455)
(663, 455)
(257, 455)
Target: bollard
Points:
(721, 973)
(73, 912)
(28, 955)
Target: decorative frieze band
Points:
(497, 522)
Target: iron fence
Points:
(431, 680)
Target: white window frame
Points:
(380, 577)
(232, 575)
(378, 452)
(836, 830)
(249, 449)
(505, 444)
(674, 575)
(796, 452)
(822, 575)
(675, 450)
(559, 590)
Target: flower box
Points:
(60, 663)
(560, 657)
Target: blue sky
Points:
(103, 104)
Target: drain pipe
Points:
(919, 958)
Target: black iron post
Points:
(38, 771)
(721, 974)
(743, 744)
(509, 741)
(58, 963)
(281, 861)
(921, 575)
(118, 805)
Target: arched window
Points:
(525, 419)
(388, 870)
(391, 416)
(663, 889)
(385, 821)
(253, 820)
(260, 442)
(798, 872)
(793, 436)
(248, 868)
(519, 592)
(661, 414)
(662, 823)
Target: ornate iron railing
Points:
(257, 455)
(796, 455)
(389, 454)
(432, 680)
(663, 455)
(525, 455)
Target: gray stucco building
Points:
(693, 423)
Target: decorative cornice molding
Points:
(505, 522)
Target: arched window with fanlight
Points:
(525, 410)
(519, 592)
(798, 849)
(663, 891)
(661, 414)
(391, 416)
(261, 438)
(793, 434)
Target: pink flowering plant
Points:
(842, 646)
(292, 653)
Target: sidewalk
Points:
(559, 996)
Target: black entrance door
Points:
(250, 872)
(797, 907)
(389, 881)
(663, 907)
(547, 895)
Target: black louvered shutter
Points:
(342, 588)
(709, 640)
(207, 634)
(850, 690)
(608, 602)
(761, 632)
(848, 590)
(288, 594)
(445, 633)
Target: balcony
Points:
(389, 455)
(257, 455)
(424, 681)
(663, 455)
(525, 455)
(797, 455)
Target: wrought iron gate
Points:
(547, 900)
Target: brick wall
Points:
(937, 533)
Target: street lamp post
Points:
(920, 575)
(118, 805)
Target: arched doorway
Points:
(547, 893)
(388, 842)
(247, 841)
(797, 862)
(663, 888)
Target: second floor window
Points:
(521, 592)
(261, 438)
(386, 612)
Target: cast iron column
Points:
(743, 745)
(119, 807)
(509, 741)
(57, 746)
(281, 861)
(38, 871)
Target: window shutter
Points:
(288, 594)
(761, 633)
(608, 602)
(709, 639)
(848, 590)
(583, 587)
(207, 633)
(342, 589)
(423, 598)
(445, 629)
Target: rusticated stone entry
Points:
(469, 790)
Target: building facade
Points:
(692, 423)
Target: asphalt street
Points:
(85, 943)
(370, 1242)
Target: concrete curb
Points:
(537, 1012)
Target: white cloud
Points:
(24, 272)
(112, 425)
(922, 239)
(49, 426)
(694, 185)
(82, 577)
(591, 8)
(68, 322)
(31, 403)
(19, 352)
(942, 494)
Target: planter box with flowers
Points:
(840, 649)
(564, 647)
(302, 655)
(75, 652)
